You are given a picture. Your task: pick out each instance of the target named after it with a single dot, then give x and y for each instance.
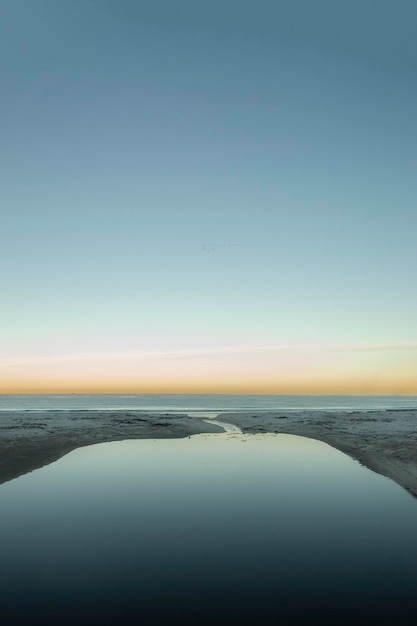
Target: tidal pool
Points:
(207, 530)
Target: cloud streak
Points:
(39, 361)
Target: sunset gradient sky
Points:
(208, 196)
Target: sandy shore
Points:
(30, 440)
(383, 441)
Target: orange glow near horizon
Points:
(241, 385)
(289, 370)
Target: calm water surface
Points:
(208, 529)
(203, 402)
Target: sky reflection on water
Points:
(206, 526)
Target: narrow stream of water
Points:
(230, 429)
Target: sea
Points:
(201, 403)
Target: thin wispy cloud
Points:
(201, 353)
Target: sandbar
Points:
(384, 441)
(29, 440)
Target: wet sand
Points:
(29, 440)
(383, 441)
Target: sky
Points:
(208, 196)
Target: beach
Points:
(30, 440)
(383, 441)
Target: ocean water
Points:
(214, 529)
(204, 402)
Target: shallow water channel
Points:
(212, 527)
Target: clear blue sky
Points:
(236, 180)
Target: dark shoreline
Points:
(27, 446)
(384, 441)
